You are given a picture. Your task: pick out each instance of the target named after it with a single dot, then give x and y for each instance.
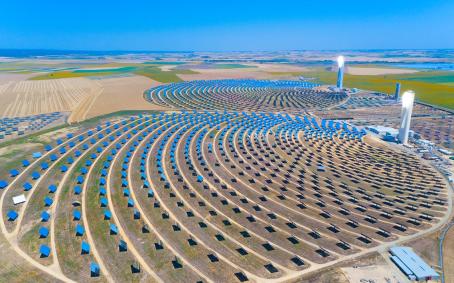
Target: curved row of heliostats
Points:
(244, 95)
(214, 197)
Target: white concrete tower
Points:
(340, 72)
(407, 107)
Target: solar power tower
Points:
(340, 72)
(407, 107)
(396, 94)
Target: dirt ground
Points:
(10, 77)
(259, 71)
(365, 71)
(124, 93)
(372, 273)
(448, 256)
(23, 98)
(83, 97)
(427, 248)
(15, 269)
(279, 68)
(212, 74)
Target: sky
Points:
(233, 25)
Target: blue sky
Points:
(226, 25)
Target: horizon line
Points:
(219, 51)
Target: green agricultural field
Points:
(431, 77)
(69, 74)
(428, 86)
(164, 63)
(109, 70)
(162, 76)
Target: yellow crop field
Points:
(441, 94)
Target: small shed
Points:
(19, 199)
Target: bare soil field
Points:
(448, 255)
(213, 74)
(121, 94)
(84, 98)
(9, 77)
(373, 273)
(280, 68)
(22, 98)
(369, 71)
(259, 71)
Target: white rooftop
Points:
(19, 199)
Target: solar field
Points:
(243, 95)
(222, 188)
(11, 128)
